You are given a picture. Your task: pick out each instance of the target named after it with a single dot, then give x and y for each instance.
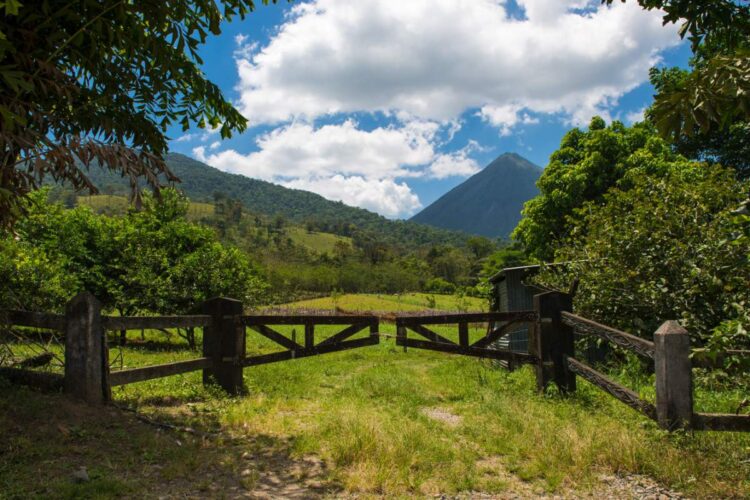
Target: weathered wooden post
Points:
(674, 378)
(224, 342)
(552, 341)
(86, 360)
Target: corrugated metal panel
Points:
(514, 295)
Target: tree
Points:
(587, 164)
(668, 247)
(85, 83)
(716, 93)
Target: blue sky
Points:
(387, 105)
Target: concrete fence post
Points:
(86, 356)
(674, 380)
(224, 341)
(552, 341)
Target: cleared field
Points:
(396, 303)
(377, 421)
(318, 242)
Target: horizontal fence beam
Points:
(467, 351)
(482, 317)
(618, 337)
(721, 422)
(34, 319)
(305, 319)
(304, 353)
(616, 390)
(44, 381)
(154, 322)
(133, 375)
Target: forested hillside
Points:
(200, 182)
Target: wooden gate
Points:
(499, 324)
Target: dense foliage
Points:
(100, 82)
(668, 247)
(587, 164)
(151, 260)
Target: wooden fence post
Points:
(224, 342)
(674, 378)
(86, 359)
(552, 341)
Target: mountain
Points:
(200, 182)
(488, 203)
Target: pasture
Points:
(375, 421)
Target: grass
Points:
(398, 302)
(315, 241)
(383, 421)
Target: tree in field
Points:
(587, 165)
(90, 82)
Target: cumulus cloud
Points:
(434, 59)
(384, 196)
(344, 162)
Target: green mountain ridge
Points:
(201, 181)
(488, 203)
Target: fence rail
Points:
(122, 377)
(623, 339)
(154, 322)
(616, 390)
(35, 319)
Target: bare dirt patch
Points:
(443, 415)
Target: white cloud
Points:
(344, 162)
(635, 116)
(384, 196)
(434, 59)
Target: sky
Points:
(388, 104)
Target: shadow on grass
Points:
(46, 439)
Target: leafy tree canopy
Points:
(672, 246)
(87, 82)
(587, 164)
(716, 93)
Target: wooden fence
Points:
(553, 344)
(87, 375)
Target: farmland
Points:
(373, 421)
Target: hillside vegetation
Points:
(200, 182)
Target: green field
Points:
(376, 421)
(396, 303)
(317, 242)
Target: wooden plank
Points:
(275, 336)
(34, 319)
(618, 337)
(129, 376)
(43, 381)
(463, 334)
(721, 422)
(123, 377)
(309, 335)
(303, 319)
(344, 334)
(155, 322)
(496, 334)
(429, 334)
(304, 353)
(616, 390)
(482, 317)
(467, 351)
